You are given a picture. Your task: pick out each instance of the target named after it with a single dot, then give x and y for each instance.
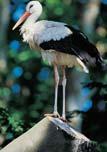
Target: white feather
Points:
(44, 31)
(83, 65)
(49, 30)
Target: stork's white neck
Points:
(32, 18)
(27, 29)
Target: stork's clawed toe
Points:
(55, 115)
(63, 119)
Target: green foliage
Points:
(9, 125)
(102, 147)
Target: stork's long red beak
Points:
(21, 20)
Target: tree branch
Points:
(4, 21)
(90, 14)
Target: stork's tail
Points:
(104, 67)
(101, 67)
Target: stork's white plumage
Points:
(59, 44)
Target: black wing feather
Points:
(76, 44)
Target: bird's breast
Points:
(61, 59)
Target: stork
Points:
(59, 44)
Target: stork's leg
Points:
(64, 87)
(56, 76)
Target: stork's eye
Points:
(30, 6)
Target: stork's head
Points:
(33, 7)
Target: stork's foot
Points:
(55, 115)
(63, 119)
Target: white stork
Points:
(59, 44)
